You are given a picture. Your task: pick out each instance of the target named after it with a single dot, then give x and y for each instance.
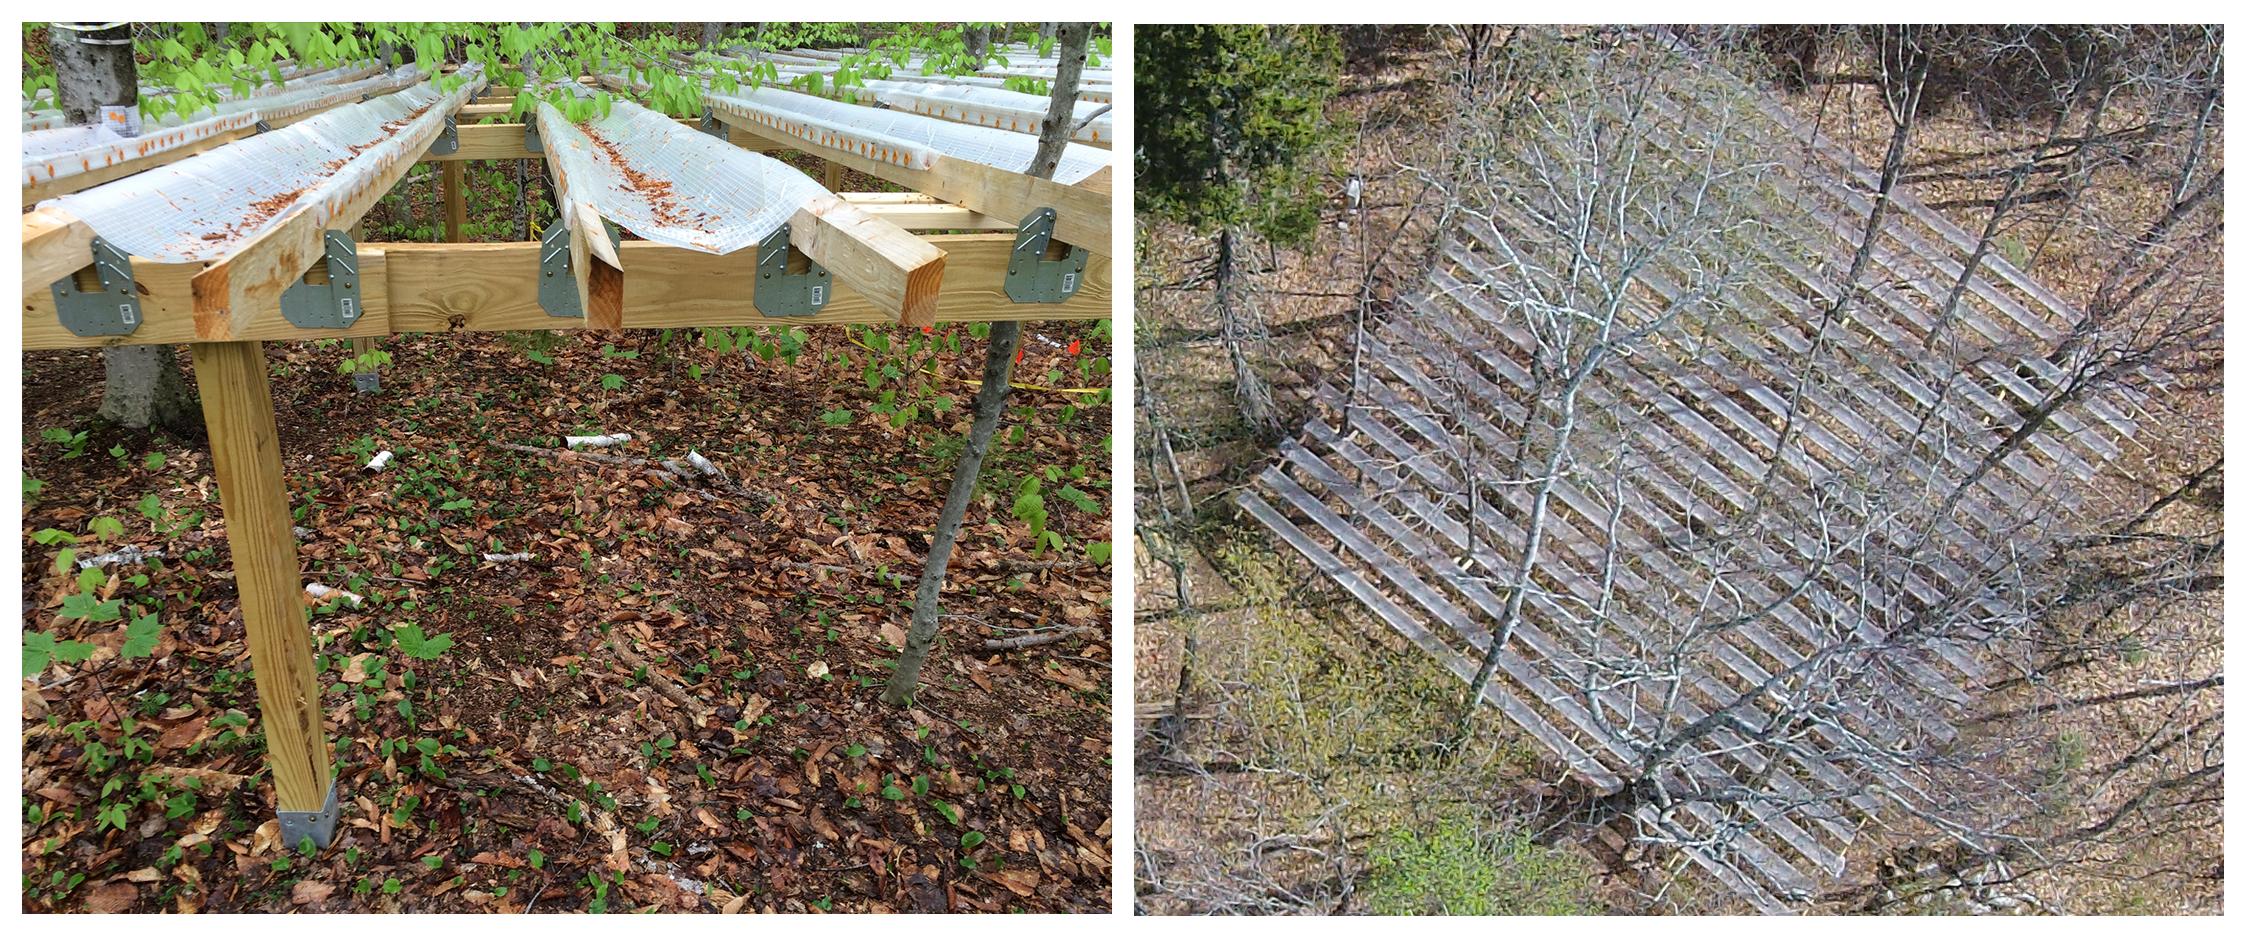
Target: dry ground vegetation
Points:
(1294, 750)
(670, 704)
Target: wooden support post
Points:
(366, 378)
(246, 455)
(456, 209)
(834, 176)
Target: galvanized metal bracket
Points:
(448, 141)
(334, 305)
(558, 285)
(531, 140)
(263, 127)
(367, 381)
(111, 311)
(320, 827)
(712, 125)
(781, 294)
(1033, 280)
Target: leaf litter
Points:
(671, 706)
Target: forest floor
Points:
(670, 705)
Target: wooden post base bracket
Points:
(320, 826)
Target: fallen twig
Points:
(668, 688)
(1034, 639)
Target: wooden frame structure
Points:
(1376, 495)
(228, 309)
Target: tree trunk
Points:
(144, 387)
(1054, 132)
(977, 39)
(991, 402)
(711, 33)
(93, 69)
(142, 384)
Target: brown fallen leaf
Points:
(893, 634)
(310, 892)
(735, 906)
(819, 822)
(183, 734)
(267, 837)
(501, 859)
(1019, 880)
(144, 875)
(60, 795)
(117, 897)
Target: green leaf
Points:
(889, 792)
(1097, 552)
(412, 642)
(971, 840)
(105, 528)
(141, 636)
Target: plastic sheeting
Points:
(899, 137)
(670, 183)
(69, 151)
(206, 207)
(988, 107)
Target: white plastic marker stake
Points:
(381, 460)
(129, 555)
(320, 591)
(598, 440)
(518, 556)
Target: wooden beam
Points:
(246, 459)
(494, 286)
(437, 288)
(599, 271)
(831, 175)
(230, 294)
(456, 209)
(487, 142)
(889, 266)
(62, 186)
(55, 245)
(168, 309)
(1082, 216)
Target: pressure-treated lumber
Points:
(65, 185)
(599, 272)
(246, 458)
(456, 208)
(892, 268)
(1081, 215)
(55, 244)
(435, 288)
(505, 142)
(493, 287)
(229, 294)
